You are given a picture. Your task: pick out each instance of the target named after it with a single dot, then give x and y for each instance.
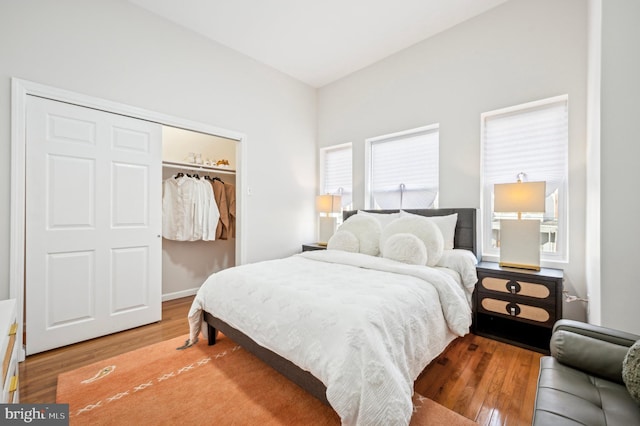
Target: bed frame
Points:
(465, 238)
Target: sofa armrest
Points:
(593, 349)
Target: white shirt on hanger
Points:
(189, 210)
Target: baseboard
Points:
(179, 294)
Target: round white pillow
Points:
(345, 241)
(367, 230)
(406, 248)
(421, 227)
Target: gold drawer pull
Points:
(13, 385)
(14, 329)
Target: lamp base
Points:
(520, 244)
(518, 266)
(326, 228)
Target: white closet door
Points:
(93, 223)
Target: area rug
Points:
(221, 384)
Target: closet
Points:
(87, 254)
(187, 264)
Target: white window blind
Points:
(337, 172)
(530, 139)
(533, 141)
(404, 169)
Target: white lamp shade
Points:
(328, 203)
(519, 197)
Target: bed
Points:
(353, 329)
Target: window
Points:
(335, 173)
(402, 169)
(529, 139)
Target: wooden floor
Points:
(487, 381)
(39, 373)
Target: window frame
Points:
(397, 135)
(490, 253)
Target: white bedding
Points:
(365, 326)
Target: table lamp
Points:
(327, 206)
(520, 238)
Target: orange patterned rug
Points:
(221, 384)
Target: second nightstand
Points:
(516, 305)
(313, 246)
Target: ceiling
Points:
(317, 41)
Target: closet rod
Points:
(182, 166)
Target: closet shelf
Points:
(197, 167)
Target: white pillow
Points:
(367, 231)
(463, 262)
(422, 228)
(345, 241)
(383, 218)
(406, 248)
(447, 225)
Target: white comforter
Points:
(365, 326)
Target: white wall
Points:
(117, 51)
(521, 51)
(592, 234)
(620, 154)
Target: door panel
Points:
(93, 223)
(130, 196)
(129, 282)
(131, 140)
(70, 183)
(70, 129)
(70, 273)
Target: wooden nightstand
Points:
(517, 306)
(313, 246)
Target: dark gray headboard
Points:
(466, 227)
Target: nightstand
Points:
(313, 246)
(517, 306)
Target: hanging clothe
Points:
(210, 214)
(230, 192)
(189, 210)
(222, 230)
(177, 208)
